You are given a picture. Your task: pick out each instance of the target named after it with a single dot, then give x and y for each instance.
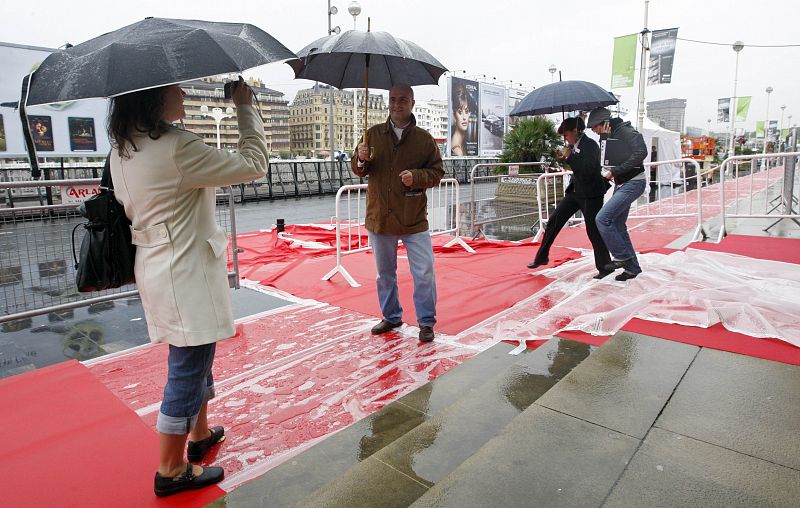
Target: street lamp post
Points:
(218, 115)
(766, 120)
(354, 8)
(552, 70)
(737, 47)
(332, 11)
(780, 129)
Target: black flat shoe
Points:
(602, 275)
(426, 334)
(166, 486)
(537, 264)
(626, 275)
(196, 450)
(385, 326)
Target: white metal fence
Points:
(444, 216)
(37, 270)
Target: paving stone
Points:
(746, 404)
(625, 384)
(673, 470)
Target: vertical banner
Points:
(760, 129)
(42, 132)
(493, 119)
(742, 108)
(772, 129)
(463, 124)
(662, 54)
(81, 134)
(624, 62)
(723, 110)
(3, 146)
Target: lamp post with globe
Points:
(766, 120)
(552, 70)
(218, 115)
(737, 47)
(332, 11)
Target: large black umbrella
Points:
(151, 53)
(564, 96)
(356, 59)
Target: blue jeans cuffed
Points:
(189, 385)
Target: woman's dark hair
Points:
(572, 123)
(135, 113)
(462, 96)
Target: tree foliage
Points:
(531, 140)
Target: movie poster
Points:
(463, 124)
(81, 134)
(493, 119)
(662, 55)
(3, 146)
(723, 110)
(42, 132)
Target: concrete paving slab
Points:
(370, 484)
(625, 384)
(745, 404)
(673, 470)
(542, 458)
(436, 447)
(293, 480)
(451, 386)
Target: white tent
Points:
(667, 146)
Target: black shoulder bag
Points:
(107, 254)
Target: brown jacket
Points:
(391, 208)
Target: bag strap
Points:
(105, 181)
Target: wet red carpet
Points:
(69, 441)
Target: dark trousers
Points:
(565, 209)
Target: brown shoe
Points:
(385, 326)
(426, 333)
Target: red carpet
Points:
(471, 287)
(643, 241)
(68, 441)
(786, 250)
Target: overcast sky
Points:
(502, 39)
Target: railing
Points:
(284, 178)
(666, 194)
(779, 202)
(548, 192)
(503, 197)
(443, 218)
(37, 273)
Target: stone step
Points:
(298, 477)
(572, 445)
(404, 470)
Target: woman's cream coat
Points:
(168, 190)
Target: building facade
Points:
(309, 119)
(272, 105)
(432, 116)
(668, 113)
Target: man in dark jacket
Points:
(629, 180)
(401, 161)
(585, 193)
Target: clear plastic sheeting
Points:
(693, 288)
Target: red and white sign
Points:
(76, 194)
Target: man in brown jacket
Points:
(401, 161)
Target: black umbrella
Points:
(564, 96)
(356, 59)
(151, 53)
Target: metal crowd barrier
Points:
(665, 196)
(504, 197)
(37, 273)
(548, 193)
(779, 201)
(443, 218)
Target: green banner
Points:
(760, 129)
(624, 63)
(742, 107)
(784, 133)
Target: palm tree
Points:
(531, 140)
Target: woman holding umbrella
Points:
(165, 178)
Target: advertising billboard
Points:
(53, 132)
(662, 56)
(463, 118)
(493, 119)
